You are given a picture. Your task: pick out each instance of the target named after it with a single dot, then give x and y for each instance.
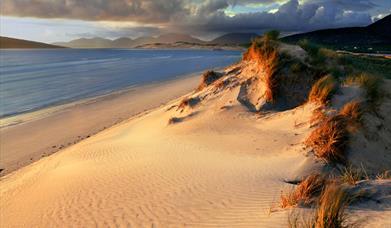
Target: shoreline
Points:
(28, 137)
(45, 111)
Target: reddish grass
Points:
(305, 191)
(323, 90)
(329, 140)
(333, 202)
(353, 112)
(265, 53)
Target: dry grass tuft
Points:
(265, 53)
(208, 78)
(332, 205)
(353, 111)
(323, 90)
(329, 140)
(351, 175)
(318, 116)
(330, 211)
(305, 191)
(188, 102)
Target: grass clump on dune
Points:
(329, 140)
(208, 78)
(188, 102)
(323, 90)
(333, 202)
(305, 192)
(330, 211)
(353, 112)
(265, 52)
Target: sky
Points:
(63, 20)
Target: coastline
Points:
(28, 137)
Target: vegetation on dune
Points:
(188, 102)
(332, 205)
(208, 78)
(265, 52)
(305, 192)
(286, 78)
(352, 175)
(353, 112)
(272, 35)
(323, 90)
(329, 140)
(330, 209)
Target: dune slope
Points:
(220, 166)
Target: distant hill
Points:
(375, 37)
(234, 38)
(96, 42)
(7, 43)
(169, 38)
(125, 42)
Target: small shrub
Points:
(272, 35)
(329, 140)
(323, 90)
(311, 48)
(317, 54)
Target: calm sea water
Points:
(33, 79)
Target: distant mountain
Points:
(375, 37)
(169, 38)
(122, 42)
(173, 38)
(125, 42)
(234, 38)
(6, 42)
(96, 42)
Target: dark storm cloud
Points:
(157, 11)
(201, 17)
(290, 16)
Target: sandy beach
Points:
(29, 137)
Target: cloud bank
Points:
(202, 17)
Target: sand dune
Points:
(221, 167)
(212, 158)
